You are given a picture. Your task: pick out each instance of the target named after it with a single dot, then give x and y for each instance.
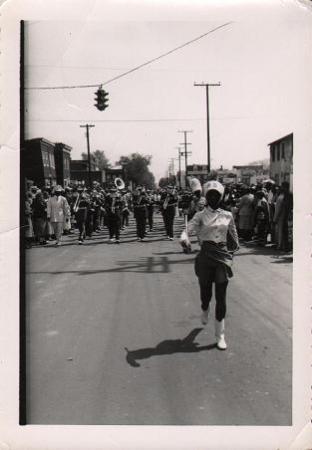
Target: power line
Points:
(147, 120)
(114, 120)
(135, 68)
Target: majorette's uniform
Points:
(218, 238)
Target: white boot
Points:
(219, 330)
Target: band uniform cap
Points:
(213, 185)
(58, 188)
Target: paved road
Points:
(114, 337)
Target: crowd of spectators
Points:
(263, 213)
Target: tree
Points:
(163, 182)
(99, 158)
(136, 169)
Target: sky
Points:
(258, 58)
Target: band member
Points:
(125, 209)
(113, 207)
(150, 197)
(90, 215)
(140, 212)
(81, 207)
(169, 201)
(58, 212)
(69, 197)
(195, 205)
(218, 238)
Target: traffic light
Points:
(101, 99)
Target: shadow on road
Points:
(141, 265)
(282, 259)
(168, 347)
(278, 256)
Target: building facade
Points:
(198, 171)
(281, 160)
(38, 161)
(79, 172)
(250, 174)
(111, 173)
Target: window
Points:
(45, 158)
(283, 150)
(51, 160)
(278, 157)
(272, 153)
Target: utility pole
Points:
(87, 126)
(186, 152)
(172, 168)
(207, 85)
(179, 157)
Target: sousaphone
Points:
(119, 183)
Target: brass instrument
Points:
(76, 205)
(119, 183)
(166, 202)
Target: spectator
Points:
(261, 217)
(40, 217)
(283, 213)
(246, 214)
(29, 233)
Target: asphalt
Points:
(114, 336)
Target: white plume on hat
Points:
(213, 185)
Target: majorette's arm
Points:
(194, 225)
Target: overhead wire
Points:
(82, 86)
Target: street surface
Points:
(114, 336)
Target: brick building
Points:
(38, 162)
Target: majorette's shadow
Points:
(168, 347)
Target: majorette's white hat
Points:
(213, 185)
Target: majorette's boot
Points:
(219, 332)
